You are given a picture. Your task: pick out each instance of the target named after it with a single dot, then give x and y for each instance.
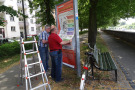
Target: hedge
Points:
(8, 50)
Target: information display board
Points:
(65, 19)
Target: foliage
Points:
(108, 11)
(102, 13)
(10, 11)
(10, 49)
(44, 10)
(82, 10)
(83, 32)
(2, 21)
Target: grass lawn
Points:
(9, 62)
(72, 82)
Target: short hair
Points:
(52, 30)
(47, 26)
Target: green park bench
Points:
(103, 61)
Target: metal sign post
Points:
(77, 38)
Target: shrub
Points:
(83, 32)
(10, 49)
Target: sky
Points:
(128, 21)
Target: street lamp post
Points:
(25, 32)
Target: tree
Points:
(10, 11)
(7, 10)
(83, 20)
(44, 10)
(102, 13)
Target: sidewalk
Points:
(9, 79)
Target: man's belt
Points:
(59, 50)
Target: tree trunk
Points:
(48, 11)
(92, 23)
(81, 29)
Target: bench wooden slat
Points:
(103, 61)
(107, 59)
(112, 62)
(100, 62)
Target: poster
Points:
(66, 30)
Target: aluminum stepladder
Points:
(26, 66)
(22, 68)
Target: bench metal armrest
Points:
(92, 48)
(89, 46)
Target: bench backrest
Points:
(95, 53)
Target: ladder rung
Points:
(39, 86)
(27, 51)
(28, 59)
(26, 42)
(35, 75)
(23, 76)
(28, 67)
(32, 52)
(33, 63)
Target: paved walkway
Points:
(9, 79)
(124, 54)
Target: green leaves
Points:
(7, 10)
(44, 10)
(10, 11)
(108, 11)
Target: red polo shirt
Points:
(54, 42)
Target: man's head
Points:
(53, 29)
(47, 28)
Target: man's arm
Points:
(66, 42)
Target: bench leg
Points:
(116, 75)
(92, 68)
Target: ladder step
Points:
(33, 63)
(36, 75)
(26, 42)
(23, 76)
(28, 51)
(39, 86)
(28, 67)
(28, 59)
(32, 52)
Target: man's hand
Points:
(44, 41)
(66, 42)
(70, 41)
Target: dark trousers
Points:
(56, 71)
(44, 54)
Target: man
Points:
(43, 46)
(55, 45)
